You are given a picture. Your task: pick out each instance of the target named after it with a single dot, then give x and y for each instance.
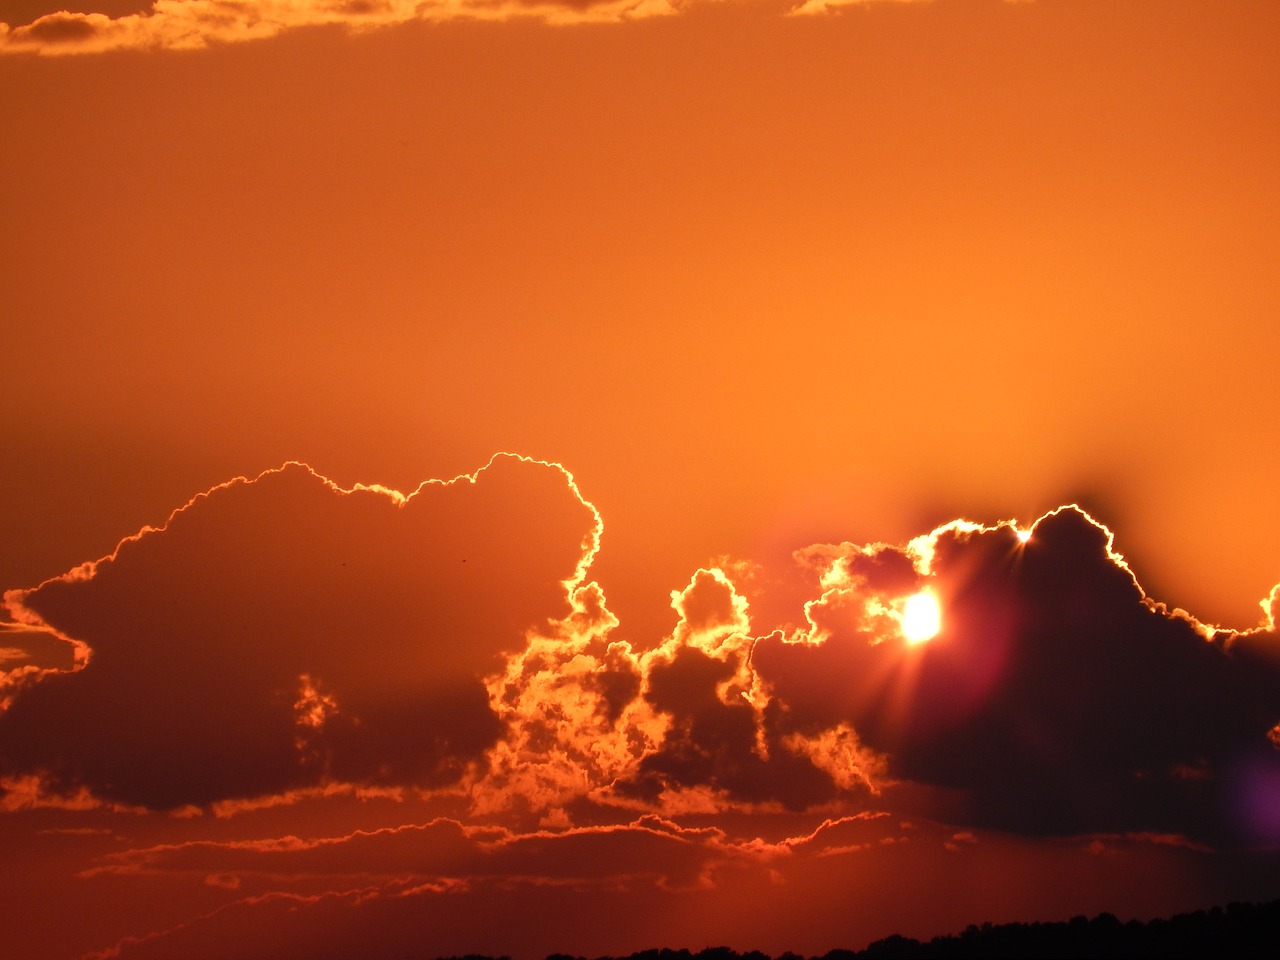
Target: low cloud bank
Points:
(283, 635)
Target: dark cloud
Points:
(25, 649)
(700, 682)
(712, 742)
(280, 633)
(435, 889)
(445, 888)
(647, 851)
(1057, 697)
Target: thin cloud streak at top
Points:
(196, 24)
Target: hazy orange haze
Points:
(755, 288)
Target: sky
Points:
(475, 473)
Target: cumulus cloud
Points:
(282, 635)
(1057, 697)
(715, 749)
(674, 729)
(281, 632)
(193, 24)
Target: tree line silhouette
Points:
(1236, 930)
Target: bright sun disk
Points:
(921, 617)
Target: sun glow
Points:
(921, 617)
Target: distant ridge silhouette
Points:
(1236, 930)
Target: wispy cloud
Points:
(193, 24)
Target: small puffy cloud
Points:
(281, 633)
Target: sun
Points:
(921, 617)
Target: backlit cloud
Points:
(282, 636)
(421, 886)
(28, 653)
(1057, 697)
(444, 888)
(280, 633)
(367, 719)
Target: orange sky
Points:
(759, 278)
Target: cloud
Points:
(820, 7)
(194, 24)
(281, 637)
(447, 888)
(1058, 697)
(197, 24)
(676, 729)
(28, 653)
(282, 633)
(425, 887)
